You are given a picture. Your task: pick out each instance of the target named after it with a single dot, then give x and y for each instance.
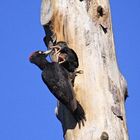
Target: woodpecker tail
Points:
(79, 115)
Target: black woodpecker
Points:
(66, 56)
(56, 78)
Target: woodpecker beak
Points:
(48, 52)
(62, 58)
(55, 52)
(56, 49)
(61, 61)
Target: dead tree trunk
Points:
(101, 90)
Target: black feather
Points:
(56, 78)
(71, 62)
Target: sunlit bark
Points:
(101, 90)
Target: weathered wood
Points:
(86, 27)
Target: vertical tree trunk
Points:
(101, 89)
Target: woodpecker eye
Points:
(40, 52)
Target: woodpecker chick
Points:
(67, 56)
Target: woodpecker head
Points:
(62, 44)
(37, 56)
(59, 53)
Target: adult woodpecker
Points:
(56, 77)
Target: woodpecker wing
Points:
(57, 80)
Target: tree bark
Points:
(101, 90)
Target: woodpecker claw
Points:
(80, 71)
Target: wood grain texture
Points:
(101, 87)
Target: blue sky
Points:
(27, 110)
